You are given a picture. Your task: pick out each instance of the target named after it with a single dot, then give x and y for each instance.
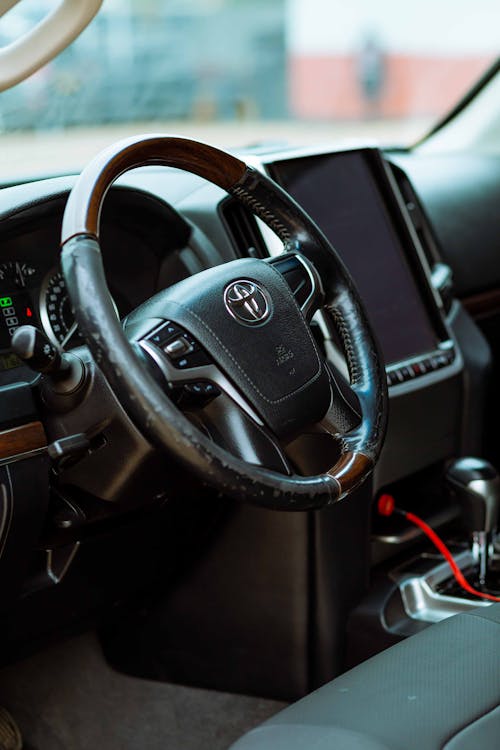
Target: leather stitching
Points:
(348, 345)
(264, 213)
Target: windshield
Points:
(239, 72)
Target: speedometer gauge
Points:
(55, 309)
(16, 273)
(56, 314)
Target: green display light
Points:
(5, 301)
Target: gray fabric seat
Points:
(439, 689)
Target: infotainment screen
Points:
(340, 192)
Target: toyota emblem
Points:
(247, 302)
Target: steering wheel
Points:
(239, 330)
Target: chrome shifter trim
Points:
(480, 552)
(422, 602)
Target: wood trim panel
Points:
(27, 437)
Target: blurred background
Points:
(235, 72)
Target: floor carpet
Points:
(68, 698)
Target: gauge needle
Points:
(74, 328)
(21, 281)
(69, 335)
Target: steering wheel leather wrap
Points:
(154, 414)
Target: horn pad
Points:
(244, 314)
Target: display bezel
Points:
(402, 225)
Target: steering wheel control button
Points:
(201, 392)
(196, 358)
(247, 302)
(178, 348)
(181, 348)
(202, 389)
(162, 335)
(190, 340)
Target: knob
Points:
(475, 483)
(66, 377)
(34, 348)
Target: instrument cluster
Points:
(32, 295)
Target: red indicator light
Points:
(29, 312)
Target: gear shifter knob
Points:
(476, 485)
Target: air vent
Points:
(441, 274)
(418, 216)
(243, 230)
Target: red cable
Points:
(461, 580)
(386, 507)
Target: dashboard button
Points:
(434, 363)
(407, 373)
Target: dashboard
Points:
(356, 197)
(30, 294)
(160, 226)
(32, 287)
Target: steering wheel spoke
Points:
(190, 374)
(341, 417)
(230, 426)
(200, 389)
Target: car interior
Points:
(242, 391)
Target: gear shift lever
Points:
(476, 485)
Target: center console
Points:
(436, 363)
